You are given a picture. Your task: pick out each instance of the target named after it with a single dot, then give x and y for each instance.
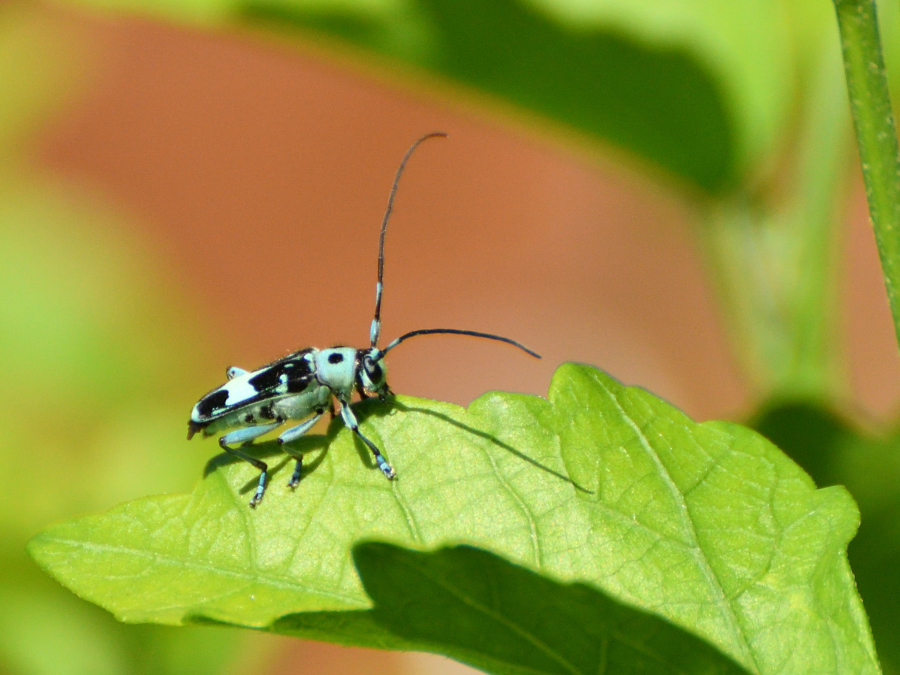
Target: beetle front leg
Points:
(350, 420)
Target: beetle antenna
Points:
(453, 331)
(375, 331)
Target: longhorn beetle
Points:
(300, 386)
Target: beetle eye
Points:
(373, 370)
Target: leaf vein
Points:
(500, 618)
(535, 543)
(697, 551)
(273, 581)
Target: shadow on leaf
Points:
(478, 608)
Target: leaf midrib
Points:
(278, 582)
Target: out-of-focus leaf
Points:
(658, 99)
(707, 525)
(699, 87)
(94, 360)
(834, 452)
(775, 249)
(44, 632)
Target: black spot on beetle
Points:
(266, 412)
(209, 404)
(268, 378)
(249, 419)
(277, 373)
(335, 358)
(298, 384)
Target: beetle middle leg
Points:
(293, 434)
(245, 436)
(350, 420)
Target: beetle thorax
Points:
(336, 369)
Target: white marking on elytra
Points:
(239, 389)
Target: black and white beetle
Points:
(300, 386)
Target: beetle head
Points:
(371, 375)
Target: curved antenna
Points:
(375, 331)
(453, 331)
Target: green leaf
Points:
(706, 525)
(835, 452)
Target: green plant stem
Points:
(875, 134)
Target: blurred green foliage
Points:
(738, 104)
(94, 358)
